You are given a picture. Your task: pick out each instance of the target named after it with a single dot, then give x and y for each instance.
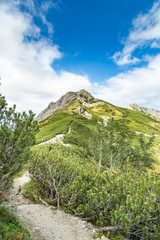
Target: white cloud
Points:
(48, 24)
(140, 85)
(39, 10)
(145, 32)
(29, 4)
(46, 5)
(28, 80)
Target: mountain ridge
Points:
(150, 111)
(84, 115)
(70, 98)
(82, 103)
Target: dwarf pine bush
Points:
(127, 200)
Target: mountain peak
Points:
(69, 99)
(134, 106)
(148, 111)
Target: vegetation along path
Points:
(45, 223)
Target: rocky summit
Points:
(148, 111)
(70, 99)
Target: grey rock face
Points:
(64, 101)
(149, 111)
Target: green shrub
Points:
(17, 135)
(119, 198)
(10, 226)
(33, 191)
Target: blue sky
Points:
(90, 32)
(110, 48)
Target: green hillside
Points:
(102, 166)
(84, 132)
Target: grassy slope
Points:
(83, 130)
(138, 121)
(57, 124)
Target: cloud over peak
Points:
(28, 57)
(140, 85)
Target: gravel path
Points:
(45, 223)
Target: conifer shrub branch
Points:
(119, 200)
(17, 135)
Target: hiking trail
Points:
(43, 222)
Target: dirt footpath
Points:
(45, 223)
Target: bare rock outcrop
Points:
(69, 99)
(149, 111)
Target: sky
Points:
(109, 48)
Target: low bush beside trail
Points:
(10, 226)
(127, 201)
